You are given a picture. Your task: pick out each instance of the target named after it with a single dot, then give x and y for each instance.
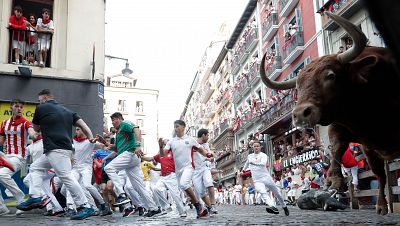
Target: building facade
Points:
(74, 65)
(137, 105)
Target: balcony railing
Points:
(30, 47)
(286, 6)
(253, 73)
(235, 64)
(279, 109)
(236, 95)
(241, 52)
(244, 86)
(293, 47)
(207, 91)
(226, 98)
(241, 158)
(270, 26)
(252, 39)
(273, 69)
(344, 8)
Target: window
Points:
(25, 45)
(122, 105)
(140, 122)
(139, 106)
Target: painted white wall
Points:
(78, 26)
(149, 115)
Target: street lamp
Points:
(126, 71)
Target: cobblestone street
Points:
(228, 215)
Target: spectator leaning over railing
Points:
(18, 25)
(45, 26)
(32, 48)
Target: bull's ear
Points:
(363, 67)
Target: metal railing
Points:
(29, 47)
(244, 84)
(290, 45)
(274, 65)
(280, 108)
(253, 72)
(282, 4)
(269, 22)
(252, 35)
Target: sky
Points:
(164, 41)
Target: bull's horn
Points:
(359, 38)
(290, 84)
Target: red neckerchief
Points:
(45, 21)
(79, 139)
(17, 121)
(38, 138)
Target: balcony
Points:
(241, 53)
(216, 133)
(280, 109)
(286, 6)
(241, 159)
(344, 8)
(29, 44)
(293, 47)
(236, 96)
(235, 65)
(248, 120)
(274, 69)
(207, 92)
(254, 76)
(270, 26)
(252, 39)
(227, 160)
(244, 86)
(226, 98)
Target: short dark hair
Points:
(46, 92)
(116, 115)
(44, 10)
(180, 122)
(257, 141)
(202, 132)
(31, 14)
(17, 101)
(18, 8)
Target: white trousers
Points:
(8, 182)
(267, 182)
(184, 177)
(60, 160)
(132, 193)
(46, 189)
(129, 162)
(238, 197)
(251, 199)
(202, 179)
(169, 183)
(354, 173)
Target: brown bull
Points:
(357, 94)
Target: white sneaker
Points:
(41, 64)
(4, 210)
(19, 212)
(183, 215)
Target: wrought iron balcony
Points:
(293, 47)
(244, 86)
(280, 108)
(270, 26)
(274, 69)
(254, 75)
(252, 39)
(286, 6)
(207, 92)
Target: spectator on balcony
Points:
(287, 36)
(293, 29)
(341, 49)
(18, 26)
(45, 26)
(32, 48)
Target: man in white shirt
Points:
(182, 147)
(202, 178)
(238, 194)
(257, 163)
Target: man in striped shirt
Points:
(14, 134)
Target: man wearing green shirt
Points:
(128, 159)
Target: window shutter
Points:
(307, 61)
(298, 19)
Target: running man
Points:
(257, 163)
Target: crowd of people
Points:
(61, 166)
(31, 38)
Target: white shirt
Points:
(238, 188)
(200, 161)
(259, 167)
(35, 150)
(83, 152)
(182, 148)
(42, 26)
